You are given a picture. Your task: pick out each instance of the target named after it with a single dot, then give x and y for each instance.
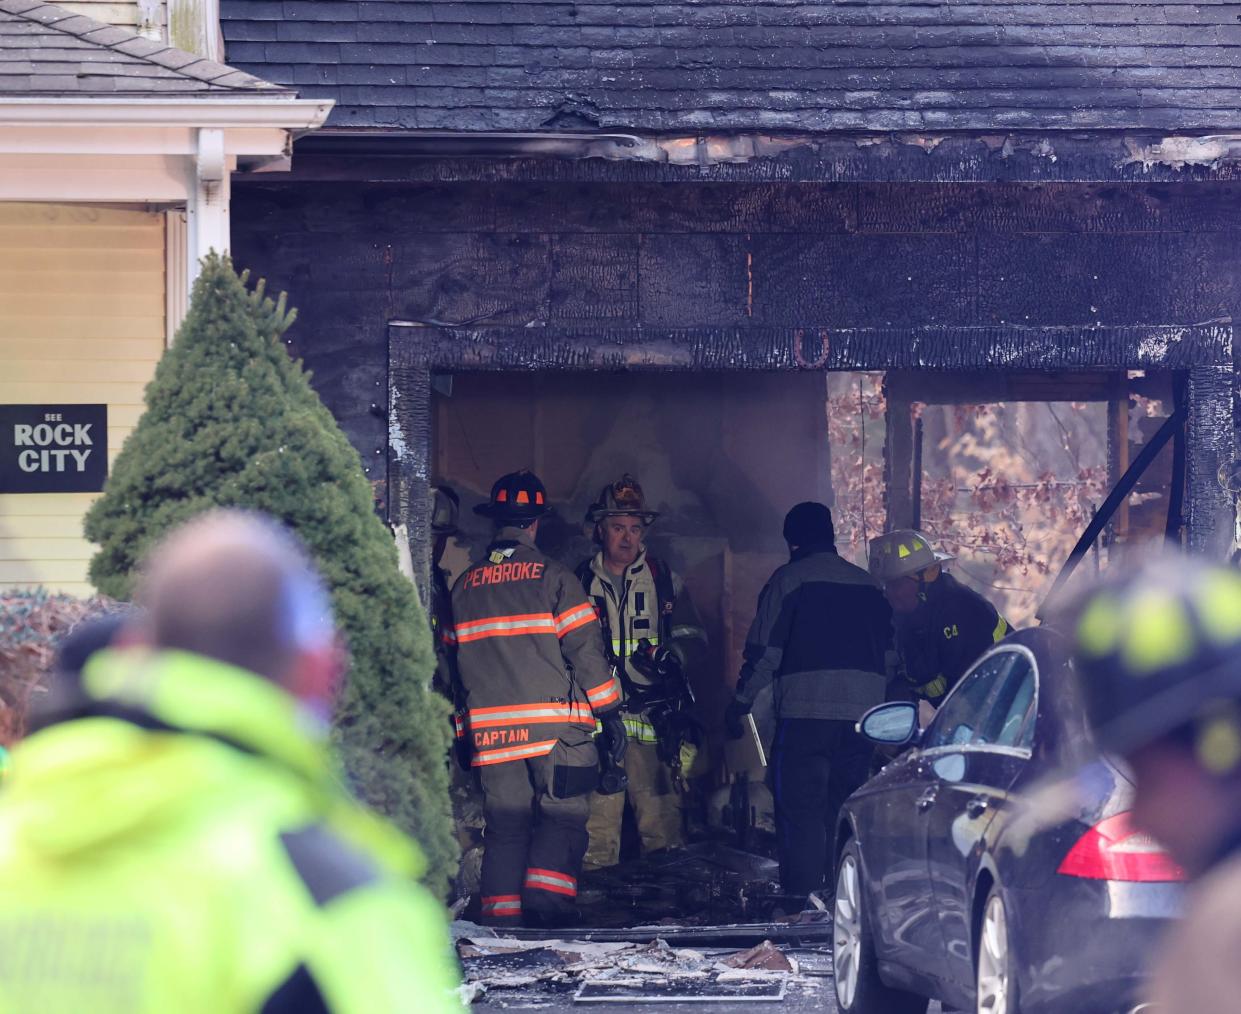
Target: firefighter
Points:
(1158, 659)
(653, 638)
(174, 835)
(820, 639)
(444, 511)
(533, 682)
(942, 626)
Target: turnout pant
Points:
(533, 845)
(656, 806)
(817, 764)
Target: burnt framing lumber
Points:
(739, 157)
(1202, 351)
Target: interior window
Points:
(962, 716)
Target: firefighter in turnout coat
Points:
(533, 682)
(942, 626)
(653, 637)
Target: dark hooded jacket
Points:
(820, 635)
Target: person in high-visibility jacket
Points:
(653, 639)
(174, 837)
(942, 625)
(533, 682)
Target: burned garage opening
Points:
(1005, 465)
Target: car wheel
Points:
(859, 990)
(996, 982)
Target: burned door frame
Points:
(1202, 351)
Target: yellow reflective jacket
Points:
(178, 842)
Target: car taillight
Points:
(1114, 850)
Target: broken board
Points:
(746, 753)
(728, 990)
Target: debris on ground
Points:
(765, 955)
(704, 884)
(649, 972)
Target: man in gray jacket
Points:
(820, 638)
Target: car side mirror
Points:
(894, 724)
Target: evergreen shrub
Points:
(231, 420)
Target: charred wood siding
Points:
(611, 275)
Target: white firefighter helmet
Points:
(902, 553)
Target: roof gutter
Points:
(284, 112)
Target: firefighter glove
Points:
(613, 738)
(655, 661)
(734, 716)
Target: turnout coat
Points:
(529, 658)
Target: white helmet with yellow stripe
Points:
(903, 553)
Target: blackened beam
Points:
(1176, 489)
(772, 348)
(1210, 514)
(929, 157)
(808, 934)
(1118, 496)
(409, 466)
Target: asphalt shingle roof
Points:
(48, 51)
(817, 65)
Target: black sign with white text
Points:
(53, 448)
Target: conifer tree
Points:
(231, 420)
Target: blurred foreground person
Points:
(820, 638)
(533, 681)
(942, 626)
(174, 837)
(1159, 660)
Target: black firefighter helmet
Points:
(1159, 652)
(622, 498)
(518, 496)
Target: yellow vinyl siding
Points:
(81, 322)
(124, 15)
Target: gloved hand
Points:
(461, 743)
(614, 738)
(733, 715)
(686, 769)
(657, 662)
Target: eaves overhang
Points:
(150, 150)
(237, 111)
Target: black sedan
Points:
(960, 877)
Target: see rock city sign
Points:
(53, 448)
